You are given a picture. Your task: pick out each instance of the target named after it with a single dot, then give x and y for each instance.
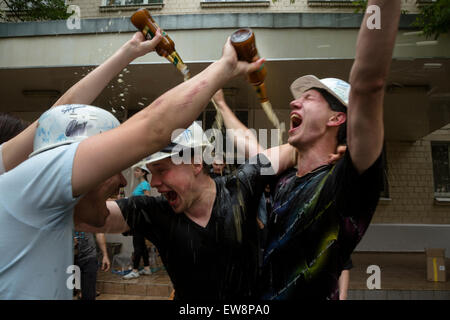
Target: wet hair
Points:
(337, 106)
(10, 126)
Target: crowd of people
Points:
(217, 238)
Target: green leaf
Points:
(35, 10)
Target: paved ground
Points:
(156, 286)
(403, 276)
(399, 271)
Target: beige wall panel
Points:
(201, 45)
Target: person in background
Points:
(218, 167)
(140, 248)
(10, 127)
(86, 259)
(344, 280)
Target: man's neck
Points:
(311, 158)
(201, 208)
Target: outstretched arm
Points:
(114, 223)
(99, 157)
(87, 89)
(92, 209)
(374, 49)
(244, 139)
(16, 150)
(281, 157)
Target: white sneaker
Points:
(145, 272)
(131, 275)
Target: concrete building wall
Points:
(411, 186)
(92, 8)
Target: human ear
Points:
(337, 119)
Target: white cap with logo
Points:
(70, 123)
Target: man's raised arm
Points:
(244, 139)
(85, 91)
(103, 155)
(114, 220)
(88, 89)
(365, 132)
(281, 157)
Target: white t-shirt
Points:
(36, 226)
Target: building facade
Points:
(40, 60)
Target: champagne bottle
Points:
(143, 21)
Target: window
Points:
(116, 5)
(234, 3)
(129, 2)
(440, 152)
(209, 116)
(422, 2)
(331, 3)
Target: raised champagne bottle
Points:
(243, 41)
(143, 21)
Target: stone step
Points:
(157, 285)
(398, 295)
(128, 297)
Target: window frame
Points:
(105, 7)
(332, 3)
(234, 3)
(443, 197)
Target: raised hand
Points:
(139, 46)
(235, 66)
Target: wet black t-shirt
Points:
(219, 261)
(315, 223)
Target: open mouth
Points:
(171, 197)
(296, 121)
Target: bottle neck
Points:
(261, 92)
(176, 60)
(173, 56)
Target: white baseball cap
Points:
(192, 137)
(336, 87)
